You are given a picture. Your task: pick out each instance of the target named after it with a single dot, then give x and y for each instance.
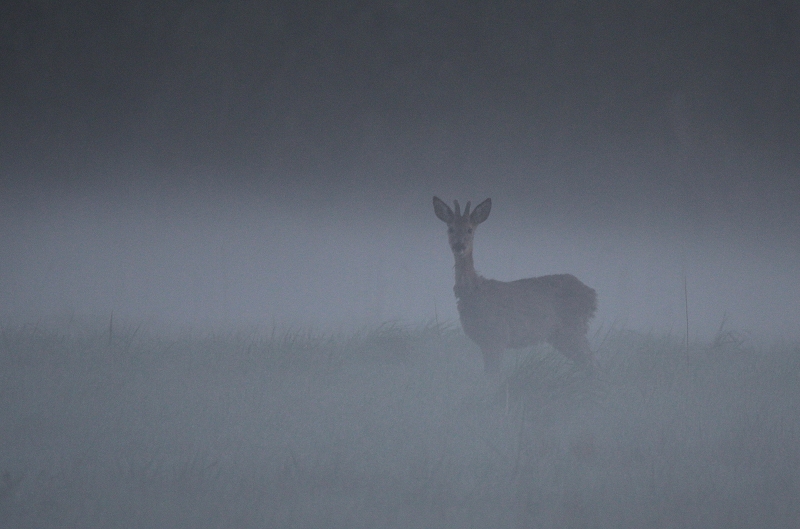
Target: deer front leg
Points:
(492, 358)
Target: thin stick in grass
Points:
(686, 310)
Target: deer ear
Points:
(442, 210)
(481, 212)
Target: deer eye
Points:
(469, 230)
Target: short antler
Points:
(458, 208)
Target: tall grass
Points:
(391, 426)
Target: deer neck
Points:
(467, 278)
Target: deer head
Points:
(461, 228)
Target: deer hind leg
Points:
(573, 344)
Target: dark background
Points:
(274, 161)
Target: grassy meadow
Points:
(392, 426)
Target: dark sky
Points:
(194, 160)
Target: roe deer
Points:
(499, 315)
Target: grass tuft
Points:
(392, 426)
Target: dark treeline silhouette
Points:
(295, 86)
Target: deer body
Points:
(499, 315)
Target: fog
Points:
(276, 164)
(209, 253)
(210, 168)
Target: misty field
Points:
(393, 426)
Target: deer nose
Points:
(458, 247)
